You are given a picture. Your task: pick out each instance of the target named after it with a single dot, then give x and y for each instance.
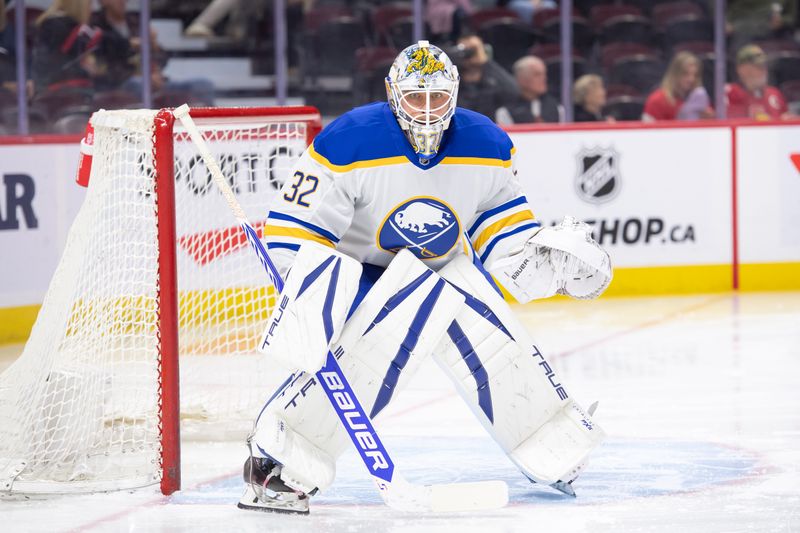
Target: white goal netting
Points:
(81, 408)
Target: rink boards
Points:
(698, 208)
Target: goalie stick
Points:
(394, 489)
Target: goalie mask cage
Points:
(155, 273)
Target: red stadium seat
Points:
(582, 34)
(698, 48)
(784, 67)
(663, 14)
(641, 71)
(603, 12)
(545, 51)
(624, 108)
(384, 17)
(510, 39)
(791, 90)
(614, 90)
(317, 16)
(481, 16)
(611, 52)
(627, 28)
(688, 28)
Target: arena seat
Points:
(687, 28)
(510, 39)
(784, 67)
(627, 28)
(601, 13)
(664, 13)
(481, 16)
(644, 72)
(611, 52)
(624, 108)
(384, 17)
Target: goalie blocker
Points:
(408, 314)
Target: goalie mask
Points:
(422, 87)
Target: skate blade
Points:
(265, 509)
(566, 488)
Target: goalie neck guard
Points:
(422, 87)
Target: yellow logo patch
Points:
(424, 62)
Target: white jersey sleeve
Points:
(313, 205)
(504, 221)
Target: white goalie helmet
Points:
(422, 87)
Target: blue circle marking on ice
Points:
(619, 470)
(427, 226)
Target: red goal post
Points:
(154, 275)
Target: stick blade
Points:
(477, 496)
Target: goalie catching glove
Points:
(562, 259)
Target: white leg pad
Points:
(291, 448)
(311, 310)
(509, 385)
(399, 322)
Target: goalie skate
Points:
(265, 490)
(565, 487)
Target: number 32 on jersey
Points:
(303, 185)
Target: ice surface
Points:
(699, 396)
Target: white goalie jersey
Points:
(361, 189)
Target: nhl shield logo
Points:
(427, 226)
(598, 179)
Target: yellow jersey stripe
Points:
(495, 228)
(384, 161)
(482, 161)
(297, 233)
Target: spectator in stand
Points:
(118, 60)
(526, 9)
(64, 46)
(117, 56)
(8, 58)
(589, 95)
(485, 86)
(243, 18)
(753, 98)
(447, 18)
(533, 103)
(681, 95)
(749, 20)
(6, 53)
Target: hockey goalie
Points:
(394, 233)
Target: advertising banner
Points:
(655, 197)
(38, 201)
(768, 170)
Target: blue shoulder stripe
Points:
(308, 225)
(493, 243)
(492, 212)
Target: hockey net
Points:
(92, 402)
